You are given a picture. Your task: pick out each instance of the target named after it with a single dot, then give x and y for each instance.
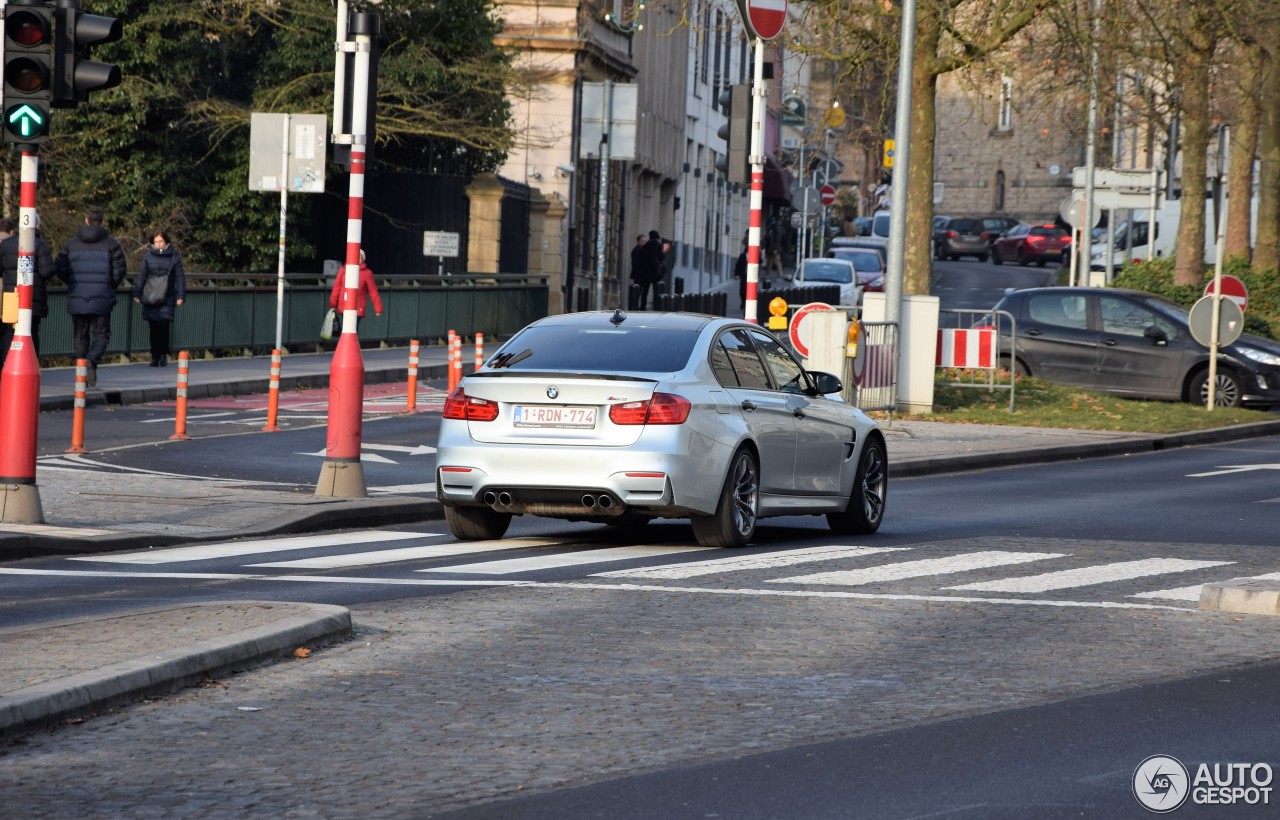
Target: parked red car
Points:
(1025, 244)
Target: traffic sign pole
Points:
(1217, 304)
(758, 91)
(20, 379)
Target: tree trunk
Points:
(1189, 266)
(1244, 144)
(917, 265)
(1266, 252)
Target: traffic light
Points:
(75, 74)
(28, 71)
(735, 101)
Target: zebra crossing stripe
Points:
(918, 569)
(739, 563)
(1088, 576)
(569, 559)
(231, 549)
(356, 559)
(1192, 593)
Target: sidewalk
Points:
(52, 672)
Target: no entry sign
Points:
(763, 18)
(828, 194)
(1233, 289)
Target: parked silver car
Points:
(621, 419)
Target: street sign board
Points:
(808, 198)
(620, 120)
(440, 243)
(828, 193)
(763, 18)
(1114, 178)
(1230, 321)
(1233, 289)
(1113, 198)
(308, 136)
(793, 111)
(799, 334)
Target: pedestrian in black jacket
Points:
(93, 266)
(44, 271)
(162, 262)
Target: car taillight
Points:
(662, 408)
(469, 408)
(1034, 239)
(952, 234)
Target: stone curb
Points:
(169, 670)
(1242, 595)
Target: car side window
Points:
(1127, 318)
(1059, 309)
(787, 373)
(736, 363)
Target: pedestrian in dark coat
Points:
(93, 265)
(161, 262)
(44, 271)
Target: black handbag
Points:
(155, 290)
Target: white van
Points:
(1167, 219)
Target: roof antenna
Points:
(618, 317)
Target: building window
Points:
(705, 56)
(1005, 121)
(998, 204)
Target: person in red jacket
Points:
(367, 286)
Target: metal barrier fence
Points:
(969, 341)
(871, 378)
(236, 311)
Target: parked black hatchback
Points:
(1132, 344)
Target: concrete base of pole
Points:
(341, 479)
(20, 504)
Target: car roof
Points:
(665, 321)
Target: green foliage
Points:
(1156, 276)
(169, 148)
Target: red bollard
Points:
(180, 420)
(411, 393)
(77, 416)
(479, 351)
(273, 395)
(456, 369)
(448, 359)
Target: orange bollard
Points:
(411, 393)
(456, 369)
(448, 359)
(479, 351)
(273, 395)
(77, 417)
(180, 421)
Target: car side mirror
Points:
(1156, 335)
(825, 383)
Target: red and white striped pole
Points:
(758, 93)
(479, 351)
(20, 379)
(273, 395)
(457, 360)
(342, 474)
(411, 392)
(451, 339)
(180, 416)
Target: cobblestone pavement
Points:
(455, 700)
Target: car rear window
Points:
(1047, 231)
(827, 272)
(963, 225)
(866, 261)
(597, 349)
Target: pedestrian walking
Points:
(639, 267)
(43, 272)
(160, 288)
(653, 268)
(740, 273)
(367, 287)
(93, 265)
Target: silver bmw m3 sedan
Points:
(621, 419)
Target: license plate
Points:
(546, 415)
(1053, 251)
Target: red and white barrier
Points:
(973, 348)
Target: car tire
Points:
(1023, 259)
(1040, 263)
(982, 257)
(476, 523)
(734, 522)
(955, 257)
(870, 491)
(1229, 392)
(1015, 366)
(995, 258)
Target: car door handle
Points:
(1109, 342)
(1033, 332)
(748, 405)
(798, 413)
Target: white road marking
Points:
(569, 559)
(356, 559)
(1087, 576)
(55, 531)
(228, 576)
(740, 563)
(373, 457)
(406, 489)
(918, 569)
(1238, 468)
(416, 450)
(230, 549)
(1192, 593)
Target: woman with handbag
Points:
(160, 287)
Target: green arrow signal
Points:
(25, 121)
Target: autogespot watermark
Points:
(1161, 784)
